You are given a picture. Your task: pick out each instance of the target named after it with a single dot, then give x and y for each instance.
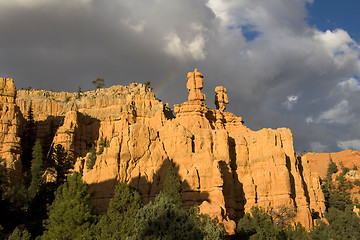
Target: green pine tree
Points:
(70, 215)
(28, 140)
(62, 163)
(118, 222)
(36, 170)
(171, 186)
(162, 220)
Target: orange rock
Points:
(224, 167)
(319, 162)
(9, 129)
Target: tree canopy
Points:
(69, 216)
(118, 222)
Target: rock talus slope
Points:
(224, 167)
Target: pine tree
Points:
(98, 83)
(62, 163)
(28, 140)
(118, 222)
(70, 215)
(36, 170)
(171, 186)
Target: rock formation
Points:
(224, 166)
(221, 98)
(194, 85)
(9, 129)
(318, 164)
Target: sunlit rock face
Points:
(9, 129)
(224, 167)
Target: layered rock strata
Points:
(223, 166)
(10, 149)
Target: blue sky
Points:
(285, 63)
(332, 14)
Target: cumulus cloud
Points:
(349, 85)
(350, 144)
(262, 51)
(177, 48)
(339, 114)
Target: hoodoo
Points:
(224, 167)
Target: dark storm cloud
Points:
(285, 74)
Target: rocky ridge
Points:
(224, 166)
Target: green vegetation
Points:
(78, 93)
(19, 234)
(36, 170)
(28, 141)
(118, 222)
(38, 209)
(171, 186)
(90, 162)
(102, 145)
(98, 83)
(162, 219)
(62, 164)
(69, 216)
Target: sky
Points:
(285, 63)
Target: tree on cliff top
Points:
(70, 215)
(118, 222)
(99, 83)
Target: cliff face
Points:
(224, 167)
(9, 129)
(318, 163)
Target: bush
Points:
(162, 219)
(90, 162)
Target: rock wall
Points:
(318, 164)
(224, 166)
(10, 149)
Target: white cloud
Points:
(350, 85)
(290, 102)
(318, 147)
(183, 50)
(350, 144)
(339, 45)
(287, 55)
(339, 114)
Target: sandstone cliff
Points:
(318, 163)
(9, 129)
(224, 166)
